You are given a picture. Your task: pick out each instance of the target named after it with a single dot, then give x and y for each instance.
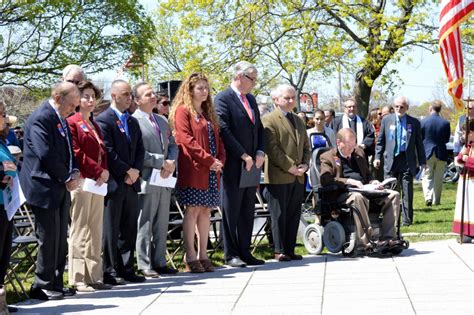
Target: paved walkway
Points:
(429, 278)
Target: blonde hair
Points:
(184, 97)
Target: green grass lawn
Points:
(435, 219)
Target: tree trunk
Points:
(362, 93)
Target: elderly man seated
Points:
(346, 166)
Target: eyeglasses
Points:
(250, 78)
(165, 103)
(399, 106)
(75, 82)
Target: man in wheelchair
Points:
(346, 168)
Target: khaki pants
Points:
(390, 208)
(85, 237)
(432, 180)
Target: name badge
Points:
(84, 127)
(409, 128)
(392, 127)
(119, 124)
(61, 130)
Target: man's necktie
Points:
(66, 133)
(124, 120)
(291, 119)
(247, 107)
(156, 127)
(398, 135)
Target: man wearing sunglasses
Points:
(400, 144)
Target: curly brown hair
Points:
(184, 97)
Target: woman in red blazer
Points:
(85, 234)
(200, 162)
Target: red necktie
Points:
(247, 107)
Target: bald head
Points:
(66, 96)
(121, 94)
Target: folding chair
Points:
(175, 232)
(261, 214)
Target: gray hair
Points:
(403, 98)
(242, 67)
(279, 89)
(70, 68)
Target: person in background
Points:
(400, 143)
(73, 74)
(320, 135)
(8, 170)
(200, 162)
(459, 131)
(435, 131)
(329, 116)
(163, 104)
(303, 117)
(375, 117)
(386, 110)
(19, 135)
(87, 209)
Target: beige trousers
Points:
(432, 180)
(390, 208)
(85, 237)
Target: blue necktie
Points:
(66, 133)
(124, 120)
(398, 142)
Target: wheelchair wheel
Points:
(313, 239)
(334, 236)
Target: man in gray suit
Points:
(401, 145)
(161, 153)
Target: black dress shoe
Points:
(68, 291)
(113, 280)
(45, 295)
(235, 262)
(165, 270)
(12, 309)
(132, 277)
(295, 256)
(252, 261)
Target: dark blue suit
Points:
(121, 203)
(404, 166)
(240, 136)
(45, 170)
(435, 131)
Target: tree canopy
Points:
(296, 39)
(39, 38)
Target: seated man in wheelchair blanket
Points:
(346, 167)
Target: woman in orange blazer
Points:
(85, 234)
(200, 162)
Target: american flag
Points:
(453, 13)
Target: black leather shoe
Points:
(165, 270)
(45, 295)
(295, 256)
(235, 262)
(131, 277)
(252, 261)
(429, 203)
(68, 291)
(113, 280)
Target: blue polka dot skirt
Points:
(194, 197)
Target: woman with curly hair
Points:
(200, 162)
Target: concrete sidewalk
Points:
(429, 278)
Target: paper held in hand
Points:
(387, 181)
(157, 180)
(13, 197)
(90, 185)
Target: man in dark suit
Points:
(346, 166)
(288, 153)
(242, 134)
(123, 141)
(435, 131)
(401, 146)
(48, 174)
(364, 130)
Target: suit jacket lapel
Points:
(239, 104)
(286, 124)
(409, 130)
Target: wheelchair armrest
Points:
(331, 188)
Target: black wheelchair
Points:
(334, 226)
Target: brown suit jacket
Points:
(331, 168)
(284, 147)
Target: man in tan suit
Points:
(346, 166)
(287, 159)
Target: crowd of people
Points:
(214, 146)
